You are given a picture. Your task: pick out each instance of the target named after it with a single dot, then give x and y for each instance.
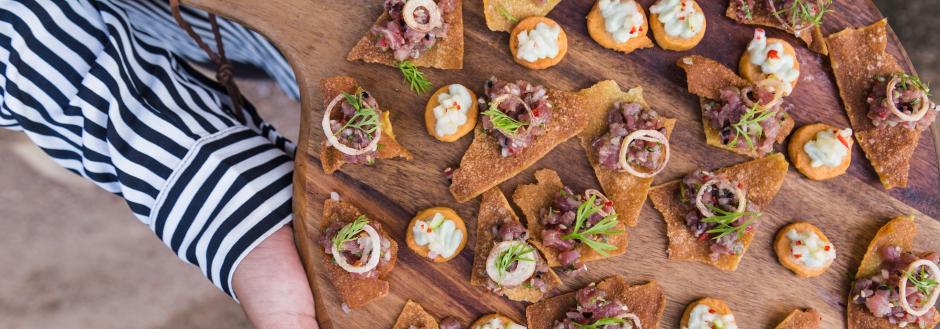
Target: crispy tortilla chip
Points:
(900, 232)
(801, 319)
(355, 291)
(628, 192)
(446, 54)
(496, 11)
(858, 55)
(415, 315)
(494, 209)
(532, 198)
(388, 148)
(476, 174)
(647, 301)
(705, 78)
(763, 16)
(762, 178)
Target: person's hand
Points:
(272, 285)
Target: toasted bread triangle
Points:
(388, 148)
(628, 192)
(446, 54)
(761, 15)
(762, 178)
(889, 149)
(415, 315)
(494, 209)
(801, 319)
(496, 11)
(647, 301)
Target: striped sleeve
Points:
(109, 102)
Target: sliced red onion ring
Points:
(502, 98)
(523, 271)
(434, 15)
(643, 135)
(331, 136)
(917, 115)
(635, 319)
(777, 87)
(934, 294)
(785, 22)
(373, 256)
(597, 195)
(742, 198)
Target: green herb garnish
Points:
(502, 121)
(922, 281)
(724, 219)
(414, 77)
(512, 255)
(601, 323)
(905, 80)
(802, 11)
(602, 227)
(751, 119)
(747, 10)
(505, 13)
(350, 231)
(365, 119)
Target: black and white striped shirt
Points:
(102, 86)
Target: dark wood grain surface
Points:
(315, 35)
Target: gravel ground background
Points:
(74, 257)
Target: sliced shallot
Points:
(643, 135)
(919, 113)
(434, 15)
(376, 244)
(739, 193)
(934, 294)
(635, 319)
(331, 136)
(777, 87)
(523, 270)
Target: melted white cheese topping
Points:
(498, 323)
(703, 317)
(826, 149)
(679, 17)
(773, 60)
(440, 235)
(809, 250)
(451, 111)
(538, 43)
(622, 19)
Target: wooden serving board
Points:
(315, 36)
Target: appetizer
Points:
(438, 234)
(504, 261)
(711, 216)
(803, 248)
(357, 130)
(502, 15)
(358, 253)
(569, 228)
(522, 123)
(627, 143)
(495, 321)
(821, 151)
(738, 116)
(801, 319)
(887, 128)
(413, 316)
(802, 18)
(451, 113)
(677, 25)
(424, 33)
(889, 267)
(770, 58)
(538, 43)
(619, 25)
(610, 303)
(708, 313)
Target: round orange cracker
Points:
(782, 248)
(803, 162)
(489, 317)
(716, 304)
(423, 251)
(672, 43)
(595, 25)
(753, 72)
(430, 121)
(529, 24)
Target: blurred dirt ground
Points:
(73, 256)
